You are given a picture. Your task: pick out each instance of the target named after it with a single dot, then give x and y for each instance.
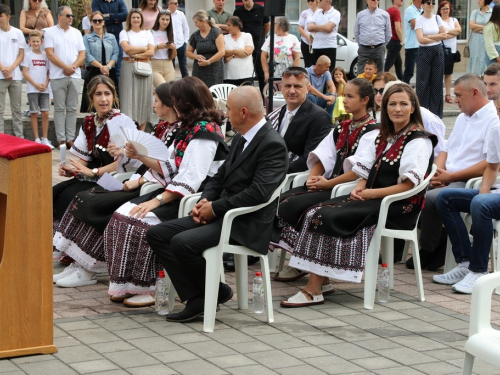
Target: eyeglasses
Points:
(165, 11)
(70, 16)
(431, 3)
(97, 20)
(379, 91)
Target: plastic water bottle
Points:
(162, 290)
(384, 284)
(258, 294)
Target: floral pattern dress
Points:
(283, 49)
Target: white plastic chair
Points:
(484, 341)
(122, 176)
(222, 90)
(383, 236)
(213, 257)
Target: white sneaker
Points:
(465, 286)
(57, 255)
(38, 140)
(79, 277)
(67, 271)
(45, 141)
(452, 277)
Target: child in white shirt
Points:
(36, 73)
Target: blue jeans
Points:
(492, 61)
(320, 102)
(181, 57)
(411, 56)
(483, 208)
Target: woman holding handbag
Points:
(136, 78)
(430, 34)
(491, 35)
(34, 16)
(452, 27)
(101, 55)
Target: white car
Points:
(347, 52)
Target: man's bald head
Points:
(324, 60)
(244, 108)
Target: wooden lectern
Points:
(26, 301)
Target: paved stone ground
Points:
(404, 336)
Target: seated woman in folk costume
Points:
(91, 149)
(335, 234)
(195, 155)
(351, 137)
(79, 234)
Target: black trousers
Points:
(308, 56)
(179, 245)
(330, 52)
(393, 57)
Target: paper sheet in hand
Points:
(110, 183)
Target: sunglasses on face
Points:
(431, 3)
(165, 11)
(37, 1)
(311, 1)
(135, 10)
(379, 91)
(70, 16)
(98, 20)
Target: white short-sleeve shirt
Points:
(323, 39)
(468, 141)
(141, 39)
(85, 23)
(66, 45)
(38, 66)
(10, 43)
(429, 26)
(238, 68)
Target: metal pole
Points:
(270, 81)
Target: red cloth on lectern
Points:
(13, 147)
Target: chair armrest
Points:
(480, 309)
(343, 189)
(405, 194)
(300, 179)
(473, 182)
(148, 187)
(187, 203)
(230, 215)
(290, 179)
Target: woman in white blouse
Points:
(165, 51)
(305, 36)
(238, 64)
(138, 44)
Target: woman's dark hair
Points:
(162, 91)
(365, 89)
(194, 102)
(169, 31)
(235, 21)
(442, 4)
(92, 86)
(495, 18)
(487, 2)
(144, 4)
(386, 125)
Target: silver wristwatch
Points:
(159, 197)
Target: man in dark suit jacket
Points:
(309, 123)
(253, 170)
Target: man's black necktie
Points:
(239, 148)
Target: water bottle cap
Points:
(258, 274)
(384, 265)
(161, 273)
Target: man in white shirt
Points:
(484, 205)
(324, 26)
(463, 157)
(181, 35)
(66, 53)
(11, 55)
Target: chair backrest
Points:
(265, 93)
(222, 91)
(480, 308)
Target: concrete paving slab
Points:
(441, 368)
(7, 366)
(406, 356)
(300, 370)
(89, 366)
(131, 358)
(251, 370)
(78, 353)
(46, 368)
(197, 367)
(275, 359)
(234, 360)
(348, 351)
(153, 370)
(153, 344)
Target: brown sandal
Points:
(448, 99)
